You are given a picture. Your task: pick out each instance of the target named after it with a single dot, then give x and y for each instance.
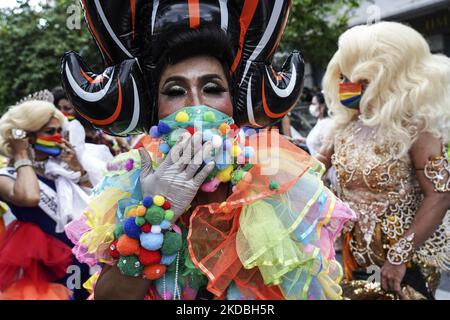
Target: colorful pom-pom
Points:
(191, 130)
(165, 224)
(127, 246)
(166, 205)
(147, 257)
(210, 186)
(235, 150)
(155, 229)
(152, 241)
(209, 116)
(131, 212)
(224, 128)
(182, 117)
(113, 250)
(154, 272)
(249, 152)
(140, 211)
(273, 185)
(172, 243)
(164, 148)
(168, 215)
(168, 260)
(154, 215)
(147, 202)
(129, 165)
(247, 167)
(131, 229)
(217, 141)
(130, 266)
(163, 128)
(225, 175)
(140, 221)
(236, 176)
(158, 200)
(146, 228)
(154, 132)
(174, 136)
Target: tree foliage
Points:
(32, 42)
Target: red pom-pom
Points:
(166, 205)
(113, 250)
(147, 257)
(234, 127)
(155, 271)
(191, 130)
(146, 228)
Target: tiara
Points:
(43, 95)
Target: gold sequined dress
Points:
(384, 192)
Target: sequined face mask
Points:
(48, 144)
(350, 94)
(228, 152)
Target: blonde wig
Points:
(30, 116)
(408, 90)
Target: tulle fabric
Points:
(273, 239)
(30, 261)
(267, 243)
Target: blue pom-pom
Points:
(147, 202)
(165, 224)
(164, 148)
(249, 152)
(152, 241)
(154, 132)
(131, 229)
(167, 260)
(163, 128)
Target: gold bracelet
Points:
(402, 251)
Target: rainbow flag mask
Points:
(350, 94)
(230, 155)
(69, 116)
(49, 144)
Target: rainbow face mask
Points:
(350, 94)
(48, 144)
(69, 116)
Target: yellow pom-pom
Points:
(140, 211)
(225, 175)
(158, 201)
(236, 151)
(182, 117)
(224, 128)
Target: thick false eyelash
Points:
(174, 92)
(214, 89)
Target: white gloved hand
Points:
(176, 177)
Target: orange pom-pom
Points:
(224, 128)
(132, 213)
(127, 246)
(155, 271)
(140, 211)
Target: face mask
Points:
(48, 144)
(314, 110)
(69, 116)
(350, 94)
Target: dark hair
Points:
(180, 44)
(58, 95)
(321, 99)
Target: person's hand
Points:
(176, 178)
(391, 278)
(20, 148)
(69, 156)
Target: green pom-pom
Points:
(154, 215)
(130, 266)
(212, 174)
(172, 243)
(209, 116)
(247, 167)
(118, 231)
(273, 185)
(168, 215)
(140, 221)
(236, 176)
